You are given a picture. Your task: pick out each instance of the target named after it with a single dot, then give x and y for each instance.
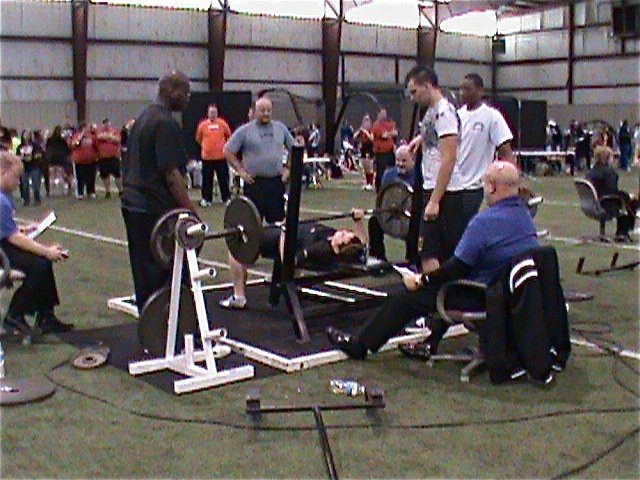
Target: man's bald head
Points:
(174, 90)
(501, 180)
(264, 109)
(405, 160)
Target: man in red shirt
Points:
(212, 134)
(108, 142)
(385, 134)
(84, 153)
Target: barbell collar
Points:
(197, 230)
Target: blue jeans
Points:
(35, 175)
(625, 155)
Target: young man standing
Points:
(212, 133)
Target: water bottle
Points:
(1, 361)
(350, 388)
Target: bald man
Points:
(492, 238)
(153, 173)
(262, 142)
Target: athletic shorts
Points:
(109, 166)
(268, 196)
(439, 238)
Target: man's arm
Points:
(448, 146)
(178, 188)
(23, 242)
(358, 226)
(415, 143)
(506, 153)
(199, 134)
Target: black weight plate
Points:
(242, 212)
(397, 195)
(162, 242)
(154, 318)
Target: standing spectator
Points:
(84, 153)
(556, 136)
(154, 184)
(446, 212)
(346, 133)
(636, 141)
(108, 143)
(31, 155)
(364, 140)
(58, 155)
(212, 133)
(582, 142)
(384, 143)
(314, 140)
(39, 139)
(624, 141)
(124, 137)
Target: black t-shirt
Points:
(604, 179)
(308, 235)
(153, 148)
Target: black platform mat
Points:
(122, 340)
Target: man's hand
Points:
(412, 282)
(246, 176)
(431, 211)
(385, 135)
(285, 174)
(414, 144)
(357, 214)
(55, 253)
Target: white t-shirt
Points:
(439, 121)
(483, 131)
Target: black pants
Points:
(405, 307)
(626, 222)
(222, 172)
(268, 196)
(86, 176)
(38, 292)
(148, 275)
(383, 161)
(376, 241)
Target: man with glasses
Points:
(154, 183)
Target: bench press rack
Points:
(186, 363)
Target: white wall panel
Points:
(104, 90)
(595, 41)
(271, 31)
(607, 72)
(580, 13)
(553, 44)
(360, 38)
(41, 115)
(550, 96)
(369, 69)
(518, 76)
(36, 90)
(528, 46)
(463, 47)
(260, 65)
(307, 91)
(608, 96)
(532, 21)
(153, 24)
(555, 18)
(450, 75)
(41, 19)
(633, 46)
(36, 59)
(396, 40)
(145, 61)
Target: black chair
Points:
(602, 209)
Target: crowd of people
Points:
(68, 155)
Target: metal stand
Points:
(185, 363)
(613, 266)
(374, 400)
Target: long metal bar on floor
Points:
(356, 289)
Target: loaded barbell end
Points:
(243, 235)
(197, 230)
(205, 273)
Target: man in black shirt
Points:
(153, 180)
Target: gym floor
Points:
(105, 423)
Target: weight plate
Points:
(396, 196)
(162, 241)
(241, 212)
(154, 319)
(189, 241)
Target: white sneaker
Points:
(92, 195)
(79, 197)
(233, 303)
(373, 262)
(204, 203)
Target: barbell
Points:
(243, 227)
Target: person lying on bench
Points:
(491, 239)
(403, 171)
(38, 293)
(317, 244)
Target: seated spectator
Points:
(605, 180)
(492, 238)
(403, 171)
(38, 294)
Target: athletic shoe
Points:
(416, 350)
(373, 262)
(346, 343)
(18, 324)
(79, 197)
(92, 195)
(233, 303)
(204, 203)
(51, 324)
(368, 188)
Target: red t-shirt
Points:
(108, 139)
(380, 144)
(84, 149)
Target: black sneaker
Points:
(51, 324)
(416, 350)
(18, 325)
